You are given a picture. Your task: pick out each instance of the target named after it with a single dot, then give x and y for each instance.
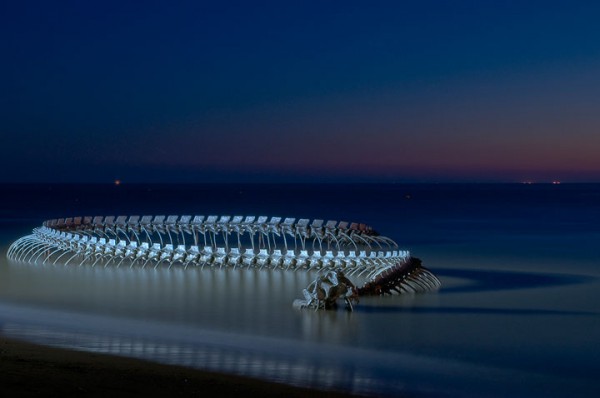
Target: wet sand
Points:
(32, 370)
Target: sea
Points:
(517, 314)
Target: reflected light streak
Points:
(298, 363)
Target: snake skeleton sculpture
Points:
(335, 250)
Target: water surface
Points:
(518, 312)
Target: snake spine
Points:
(224, 241)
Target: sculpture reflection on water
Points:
(336, 250)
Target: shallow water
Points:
(518, 312)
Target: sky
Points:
(299, 91)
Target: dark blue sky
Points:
(299, 91)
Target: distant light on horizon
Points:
(553, 182)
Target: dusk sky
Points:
(297, 91)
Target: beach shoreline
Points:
(28, 369)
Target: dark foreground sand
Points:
(31, 370)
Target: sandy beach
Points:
(32, 370)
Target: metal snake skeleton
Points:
(343, 248)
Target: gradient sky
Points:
(175, 91)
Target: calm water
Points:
(518, 313)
